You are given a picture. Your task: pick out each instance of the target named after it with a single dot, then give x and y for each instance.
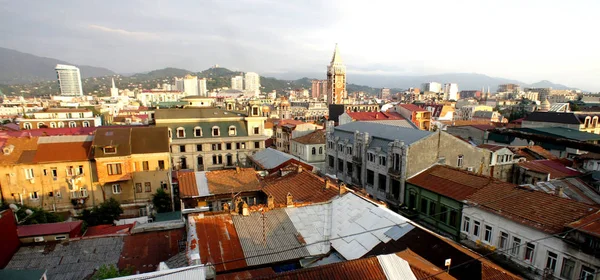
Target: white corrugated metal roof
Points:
(65, 139)
(270, 158)
(395, 268)
(311, 221)
(202, 184)
(190, 272)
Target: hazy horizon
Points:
(528, 41)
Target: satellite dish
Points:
(13, 207)
(28, 212)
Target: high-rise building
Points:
(237, 82)
(202, 90)
(178, 84)
(384, 93)
(432, 87)
(319, 88)
(190, 85)
(252, 82)
(69, 80)
(114, 91)
(336, 79)
(514, 88)
(451, 91)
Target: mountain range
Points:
(22, 68)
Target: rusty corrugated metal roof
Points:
(218, 242)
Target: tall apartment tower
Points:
(190, 85)
(384, 93)
(451, 91)
(252, 82)
(69, 80)
(114, 91)
(237, 82)
(202, 90)
(319, 88)
(336, 79)
(178, 84)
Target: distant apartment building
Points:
(190, 85)
(319, 88)
(420, 117)
(531, 95)
(252, 82)
(151, 98)
(432, 87)
(131, 164)
(237, 82)
(451, 91)
(384, 93)
(204, 139)
(60, 117)
(202, 89)
(69, 80)
(178, 84)
(470, 94)
(466, 112)
(514, 88)
(542, 92)
(308, 111)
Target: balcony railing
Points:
(394, 172)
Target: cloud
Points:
(122, 32)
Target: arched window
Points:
(197, 131)
(52, 125)
(86, 124)
(61, 124)
(170, 133)
(314, 151)
(595, 122)
(320, 150)
(180, 132)
(216, 131)
(41, 125)
(232, 131)
(27, 125)
(587, 121)
(72, 124)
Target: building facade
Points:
(319, 88)
(336, 79)
(310, 148)
(60, 117)
(237, 82)
(69, 80)
(190, 85)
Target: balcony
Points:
(356, 159)
(394, 172)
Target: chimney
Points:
(270, 202)
(377, 115)
(326, 184)
(289, 200)
(299, 168)
(560, 191)
(237, 169)
(342, 188)
(245, 210)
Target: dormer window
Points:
(255, 111)
(110, 150)
(232, 131)
(216, 131)
(180, 132)
(197, 131)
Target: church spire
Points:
(337, 59)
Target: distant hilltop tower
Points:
(336, 79)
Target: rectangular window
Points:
(79, 170)
(503, 242)
(529, 252)
(138, 187)
(256, 130)
(423, 206)
(164, 185)
(161, 164)
(476, 227)
(370, 177)
(182, 148)
(70, 171)
(487, 235)
(228, 146)
(568, 266)
(382, 161)
(116, 189)
(340, 166)
(113, 169)
(459, 162)
(551, 261)
(29, 173)
(34, 196)
(443, 215)
(180, 133)
(216, 147)
(197, 132)
(453, 218)
(200, 160)
(145, 165)
(587, 273)
(382, 182)
(215, 131)
(54, 172)
(257, 145)
(349, 168)
(432, 209)
(412, 200)
(516, 245)
(110, 150)
(199, 148)
(331, 161)
(217, 159)
(466, 224)
(232, 131)
(147, 187)
(340, 148)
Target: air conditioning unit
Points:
(38, 239)
(470, 169)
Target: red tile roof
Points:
(22, 150)
(247, 274)
(532, 152)
(228, 180)
(218, 242)
(540, 210)
(103, 230)
(48, 229)
(51, 132)
(556, 169)
(374, 116)
(145, 251)
(61, 152)
(452, 182)
(187, 184)
(316, 137)
(412, 107)
(360, 269)
(491, 147)
(422, 268)
(305, 187)
(589, 224)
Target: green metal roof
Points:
(18, 274)
(168, 216)
(240, 126)
(562, 132)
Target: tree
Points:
(103, 214)
(110, 271)
(162, 201)
(39, 216)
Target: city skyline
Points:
(415, 43)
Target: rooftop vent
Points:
(8, 149)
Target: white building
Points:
(190, 85)
(450, 91)
(237, 82)
(69, 80)
(178, 84)
(252, 81)
(114, 91)
(202, 90)
(432, 86)
(311, 148)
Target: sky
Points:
(527, 40)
